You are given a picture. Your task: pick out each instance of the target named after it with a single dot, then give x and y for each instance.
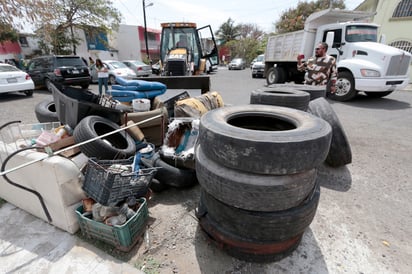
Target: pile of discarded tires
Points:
(257, 166)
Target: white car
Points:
(140, 68)
(12, 79)
(116, 68)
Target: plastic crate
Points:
(110, 186)
(123, 237)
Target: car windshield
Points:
(69, 61)
(117, 65)
(237, 60)
(260, 58)
(8, 68)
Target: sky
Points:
(263, 13)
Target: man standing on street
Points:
(322, 71)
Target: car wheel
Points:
(85, 86)
(28, 92)
(255, 192)
(115, 146)
(340, 153)
(46, 111)
(264, 139)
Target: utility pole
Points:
(145, 30)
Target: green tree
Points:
(57, 27)
(227, 32)
(293, 19)
(11, 14)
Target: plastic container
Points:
(109, 185)
(123, 237)
(141, 105)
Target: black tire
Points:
(274, 76)
(245, 249)
(261, 226)
(345, 87)
(340, 153)
(157, 186)
(314, 91)
(378, 94)
(46, 111)
(188, 163)
(115, 146)
(253, 191)
(173, 176)
(264, 139)
(254, 75)
(285, 97)
(28, 93)
(85, 86)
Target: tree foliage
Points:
(227, 31)
(293, 19)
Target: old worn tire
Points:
(245, 249)
(115, 146)
(46, 111)
(250, 191)
(264, 139)
(340, 153)
(261, 226)
(314, 91)
(285, 97)
(173, 176)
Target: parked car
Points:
(156, 68)
(140, 68)
(258, 68)
(116, 68)
(237, 63)
(253, 61)
(68, 70)
(12, 79)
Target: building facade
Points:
(395, 19)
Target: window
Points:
(404, 9)
(337, 37)
(401, 44)
(23, 41)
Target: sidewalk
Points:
(30, 245)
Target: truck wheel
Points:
(264, 139)
(345, 87)
(115, 146)
(274, 76)
(378, 94)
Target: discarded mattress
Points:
(138, 85)
(130, 95)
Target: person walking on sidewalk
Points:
(102, 76)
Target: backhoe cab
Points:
(184, 49)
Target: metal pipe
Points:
(77, 145)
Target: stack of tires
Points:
(256, 165)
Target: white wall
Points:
(127, 43)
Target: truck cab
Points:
(363, 63)
(184, 49)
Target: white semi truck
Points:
(363, 63)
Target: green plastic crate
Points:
(122, 237)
